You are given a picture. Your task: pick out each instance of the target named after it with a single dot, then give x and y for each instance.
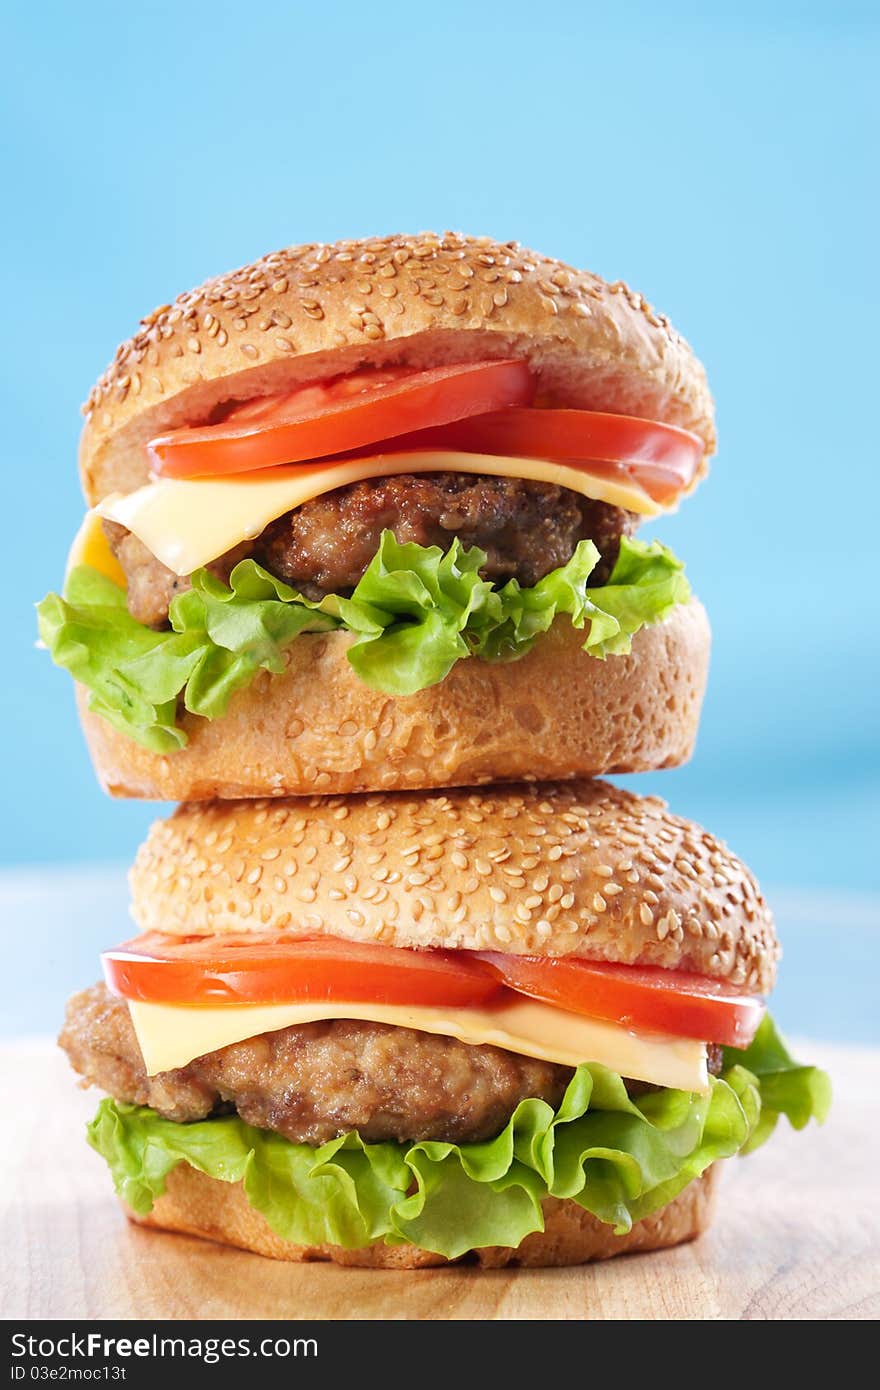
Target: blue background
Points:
(721, 158)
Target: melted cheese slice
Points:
(187, 523)
(91, 547)
(170, 1035)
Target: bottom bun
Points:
(196, 1205)
(317, 728)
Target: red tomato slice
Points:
(275, 970)
(250, 969)
(662, 1001)
(336, 416)
(662, 458)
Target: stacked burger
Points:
(361, 586)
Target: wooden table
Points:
(797, 1235)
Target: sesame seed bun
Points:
(574, 868)
(196, 1205)
(309, 312)
(555, 713)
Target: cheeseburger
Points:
(518, 1026)
(366, 515)
(363, 539)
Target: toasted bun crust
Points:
(578, 868)
(556, 713)
(196, 1205)
(309, 312)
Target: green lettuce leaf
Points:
(415, 613)
(619, 1158)
(799, 1093)
(646, 580)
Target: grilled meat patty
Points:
(315, 1081)
(324, 546)
(525, 528)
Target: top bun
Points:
(574, 868)
(313, 311)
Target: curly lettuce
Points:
(617, 1157)
(414, 614)
(787, 1088)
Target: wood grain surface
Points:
(797, 1235)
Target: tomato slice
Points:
(336, 416)
(275, 970)
(252, 969)
(662, 458)
(664, 1001)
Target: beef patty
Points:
(319, 1080)
(323, 547)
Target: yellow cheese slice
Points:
(187, 523)
(170, 1035)
(91, 547)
